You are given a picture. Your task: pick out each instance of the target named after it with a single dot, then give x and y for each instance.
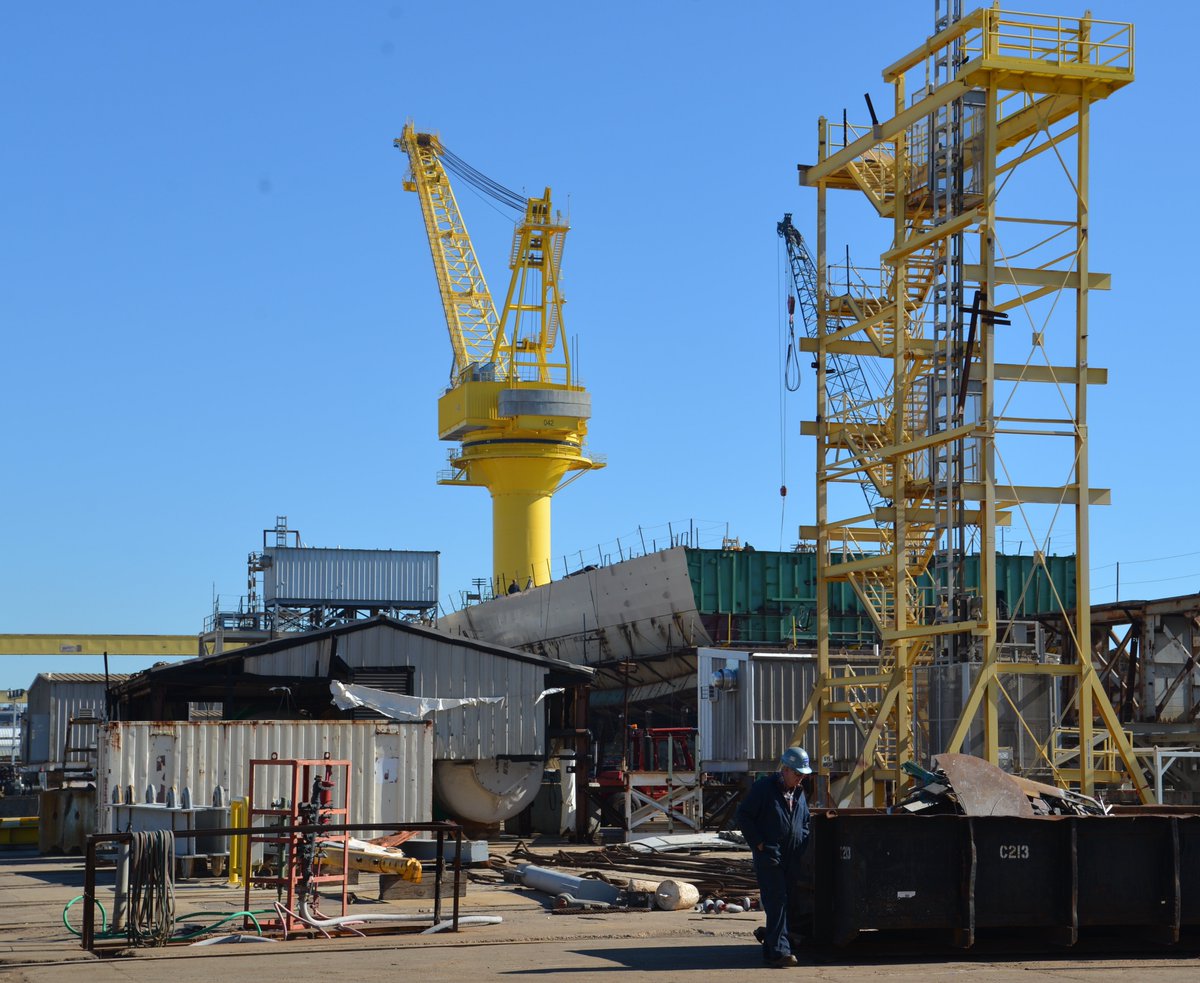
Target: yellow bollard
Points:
(237, 844)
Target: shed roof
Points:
(164, 671)
(81, 677)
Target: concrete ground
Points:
(531, 943)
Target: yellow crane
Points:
(513, 404)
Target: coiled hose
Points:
(151, 918)
(225, 916)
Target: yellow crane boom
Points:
(470, 314)
(513, 404)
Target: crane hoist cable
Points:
(480, 181)
(791, 364)
(789, 380)
(846, 383)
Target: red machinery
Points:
(657, 758)
(299, 870)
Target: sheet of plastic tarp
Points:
(397, 706)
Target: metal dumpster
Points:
(1058, 880)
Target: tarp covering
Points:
(396, 705)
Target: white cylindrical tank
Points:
(487, 791)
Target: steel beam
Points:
(143, 645)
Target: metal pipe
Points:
(555, 883)
(87, 937)
(340, 921)
(121, 891)
(437, 877)
(457, 874)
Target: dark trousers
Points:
(773, 890)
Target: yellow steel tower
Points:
(979, 310)
(513, 404)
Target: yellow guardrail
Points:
(1053, 39)
(19, 831)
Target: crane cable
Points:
(788, 358)
(791, 366)
(477, 179)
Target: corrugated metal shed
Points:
(281, 677)
(54, 698)
(304, 576)
(444, 668)
(760, 597)
(391, 777)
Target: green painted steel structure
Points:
(758, 597)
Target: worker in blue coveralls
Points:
(774, 819)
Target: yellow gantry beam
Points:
(135, 645)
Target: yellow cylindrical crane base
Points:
(521, 490)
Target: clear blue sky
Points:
(218, 304)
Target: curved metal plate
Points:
(983, 789)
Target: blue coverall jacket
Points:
(763, 817)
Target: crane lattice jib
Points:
(471, 317)
(846, 383)
(848, 387)
(804, 273)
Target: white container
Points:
(391, 774)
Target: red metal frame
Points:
(304, 772)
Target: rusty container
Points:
(65, 818)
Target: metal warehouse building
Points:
(288, 678)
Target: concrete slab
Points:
(532, 941)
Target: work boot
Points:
(780, 962)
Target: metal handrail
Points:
(1053, 39)
(442, 828)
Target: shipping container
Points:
(391, 774)
(376, 579)
(55, 698)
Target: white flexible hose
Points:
(465, 920)
(336, 922)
